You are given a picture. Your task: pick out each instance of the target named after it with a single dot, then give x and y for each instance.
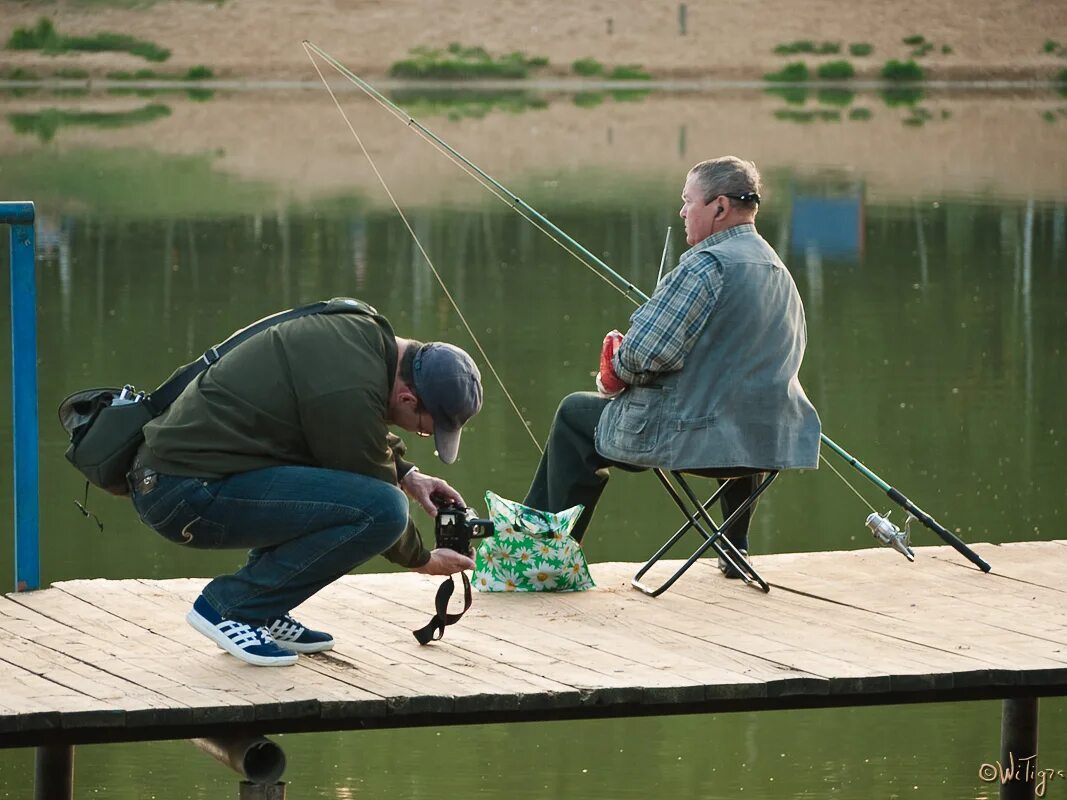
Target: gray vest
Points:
(737, 401)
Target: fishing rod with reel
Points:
(881, 527)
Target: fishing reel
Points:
(888, 533)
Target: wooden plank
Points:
(409, 686)
(850, 661)
(938, 589)
(580, 629)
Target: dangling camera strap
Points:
(435, 629)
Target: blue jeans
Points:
(306, 527)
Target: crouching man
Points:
(283, 447)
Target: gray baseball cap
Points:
(449, 385)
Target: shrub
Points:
(460, 62)
(587, 67)
(629, 72)
(72, 73)
(40, 37)
(792, 72)
(1050, 46)
(902, 71)
(946, 50)
(835, 70)
(45, 37)
(1062, 77)
(860, 49)
(914, 40)
(861, 114)
(922, 50)
(808, 46)
(199, 73)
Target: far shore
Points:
(693, 43)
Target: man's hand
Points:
(607, 382)
(445, 562)
(420, 487)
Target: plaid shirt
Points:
(663, 330)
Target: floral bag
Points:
(531, 551)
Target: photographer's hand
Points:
(420, 487)
(445, 562)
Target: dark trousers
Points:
(572, 471)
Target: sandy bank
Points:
(260, 39)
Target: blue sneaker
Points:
(291, 635)
(251, 645)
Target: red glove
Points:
(607, 382)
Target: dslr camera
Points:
(455, 526)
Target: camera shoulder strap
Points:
(435, 629)
(169, 390)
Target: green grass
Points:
(72, 73)
(46, 123)
(587, 67)
(914, 40)
(808, 46)
(629, 72)
(44, 37)
(1062, 77)
(922, 49)
(860, 114)
(199, 73)
(460, 63)
(793, 72)
(860, 49)
(902, 71)
(835, 71)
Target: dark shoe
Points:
(250, 644)
(728, 570)
(291, 635)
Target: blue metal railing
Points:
(20, 216)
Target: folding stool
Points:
(697, 518)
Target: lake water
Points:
(927, 235)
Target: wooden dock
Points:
(97, 660)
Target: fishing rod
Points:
(880, 526)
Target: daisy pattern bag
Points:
(531, 551)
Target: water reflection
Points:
(936, 331)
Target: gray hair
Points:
(728, 175)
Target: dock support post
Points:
(262, 791)
(54, 773)
(20, 216)
(1018, 748)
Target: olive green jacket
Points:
(313, 391)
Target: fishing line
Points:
(498, 190)
(623, 285)
(425, 255)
